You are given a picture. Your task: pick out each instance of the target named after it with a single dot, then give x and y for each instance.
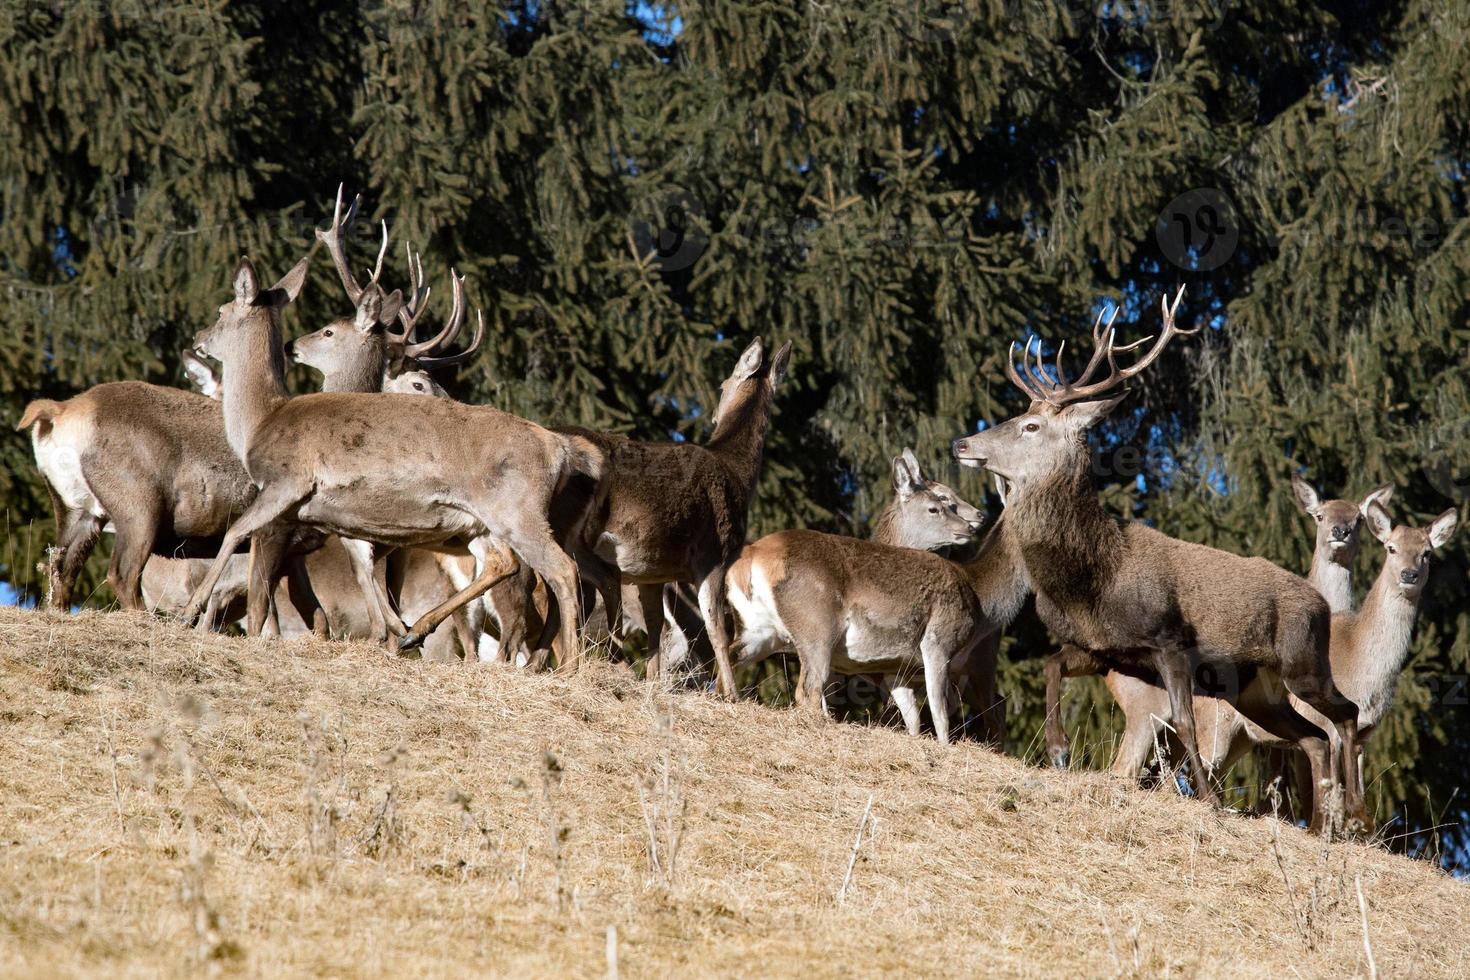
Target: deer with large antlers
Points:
(1132, 595)
(455, 472)
(858, 607)
(363, 354)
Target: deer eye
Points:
(933, 510)
(326, 333)
(1031, 427)
(1318, 517)
(418, 386)
(1392, 550)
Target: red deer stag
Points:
(396, 470)
(1133, 596)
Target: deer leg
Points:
(76, 535)
(491, 573)
(651, 604)
(125, 573)
(1353, 804)
(982, 693)
(816, 670)
(1174, 671)
(267, 555)
(1316, 751)
(557, 569)
(901, 689)
(360, 559)
(271, 503)
(936, 681)
(712, 607)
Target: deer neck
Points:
(740, 438)
(885, 528)
(1071, 548)
(1367, 669)
(365, 377)
(255, 385)
(997, 573)
(1332, 574)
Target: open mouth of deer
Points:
(1002, 487)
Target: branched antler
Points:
(1032, 377)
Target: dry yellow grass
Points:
(171, 802)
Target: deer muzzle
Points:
(967, 452)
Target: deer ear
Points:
(1383, 495)
(369, 310)
(1379, 522)
(291, 283)
(750, 361)
(1088, 414)
(392, 303)
(905, 481)
(913, 463)
(779, 363)
(1306, 497)
(200, 374)
(1443, 527)
(247, 283)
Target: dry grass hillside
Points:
(172, 803)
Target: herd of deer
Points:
(487, 516)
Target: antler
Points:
(458, 357)
(334, 239)
(1033, 380)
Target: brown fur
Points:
(462, 471)
(676, 512)
(1131, 595)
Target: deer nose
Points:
(961, 447)
(1409, 576)
(1340, 532)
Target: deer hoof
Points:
(410, 641)
(1060, 758)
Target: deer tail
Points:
(40, 410)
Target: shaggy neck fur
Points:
(1332, 574)
(740, 436)
(887, 529)
(253, 371)
(1070, 546)
(997, 573)
(1368, 669)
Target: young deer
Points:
(676, 512)
(1131, 595)
(886, 606)
(857, 607)
(1144, 703)
(392, 469)
(1368, 647)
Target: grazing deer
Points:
(395, 470)
(676, 512)
(1368, 646)
(1144, 703)
(1133, 596)
(858, 607)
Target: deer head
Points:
(413, 383)
(754, 374)
(1409, 548)
(253, 313)
(919, 518)
(1338, 521)
(967, 512)
(1049, 440)
(361, 353)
